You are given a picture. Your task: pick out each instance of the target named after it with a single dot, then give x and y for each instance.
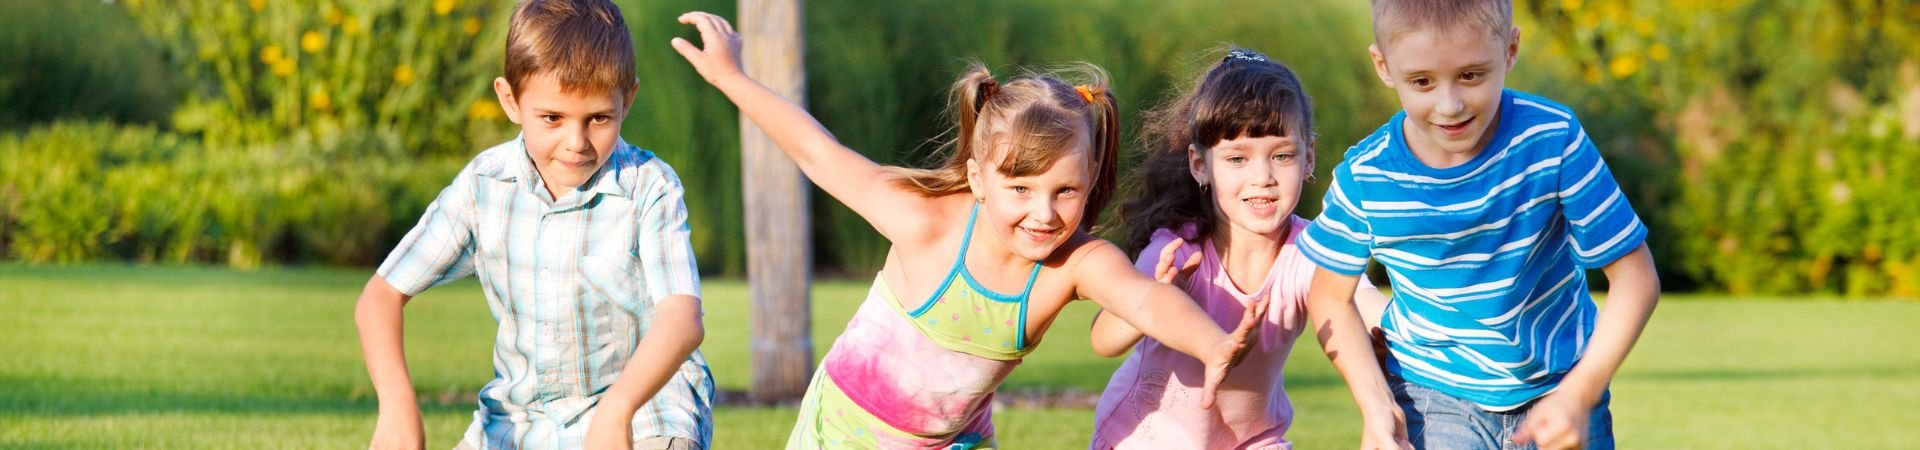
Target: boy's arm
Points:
(1102, 273)
(1559, 420)
(1344, 336)
(864, 186)
(379, 317)
(675, 333)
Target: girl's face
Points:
(1033, 215)
(1255, 182)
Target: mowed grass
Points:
(210, 358)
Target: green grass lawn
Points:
(211, 358)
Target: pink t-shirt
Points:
(1153, 400)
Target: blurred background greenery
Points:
(1769, 143)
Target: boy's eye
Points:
(1422, 82)
(549, 118)
(1019, 189)
(598, 120)
(1471, 76)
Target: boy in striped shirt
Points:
(1486, 206)
(581, 244)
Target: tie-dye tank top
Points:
(921, 378)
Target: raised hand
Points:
(720, 58)
(1165, 272)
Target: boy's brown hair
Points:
(1393, 18)
(582, 43)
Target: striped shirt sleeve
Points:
(1604, 227)
(665, 242)
(440, 248)
(1339, 240)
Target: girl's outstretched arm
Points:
(1102, 273)
(1112, 336)
(847, 175)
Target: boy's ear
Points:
(1513, 47)
(1380, 64)
(1197, 165)
(627, 108)
(504, 91)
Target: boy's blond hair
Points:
(1393, 18)
(582, 43)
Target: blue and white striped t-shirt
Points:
(1487, 258)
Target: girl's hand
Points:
(1232, 349)
(721, 57)
(1165, 272)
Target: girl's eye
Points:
(1019, 189)
(1236, 160)
(1069, 192)
(1283, 157)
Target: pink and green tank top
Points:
(921, 378)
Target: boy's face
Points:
(569, 135)
(1449, 81)
(1254, 181)
(1033, 215)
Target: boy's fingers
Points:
(686, 49)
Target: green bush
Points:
(1785, 127)
(77, 59)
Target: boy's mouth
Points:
(1456, 129)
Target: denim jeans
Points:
(1439, 421)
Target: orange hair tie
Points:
(1086, 92)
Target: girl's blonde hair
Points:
(1041, 117)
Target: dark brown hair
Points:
(582, 43)
(1392, 18)
(1244, 95)
(1042, 117)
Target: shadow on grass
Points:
(1770, 374)
(77, 398)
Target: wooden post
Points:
(779, 246)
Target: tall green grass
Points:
(213, 358)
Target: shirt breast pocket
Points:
(614, 281)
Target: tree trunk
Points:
(779, 246)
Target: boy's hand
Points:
(610, 430)
(1558, 421)
(1232, 349)
(1385, 433)
(398, 428)
(1165, 272)
(721, 57)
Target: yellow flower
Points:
(1570, 4)
(403, 75)
(312, 41)
(483, 110)
(1659, 52)
(471, 26)
(1624, 65)
(271, 54)
(350, 25)
(1592, 75)
(257, 5)
(442, 7)
(320, 100)
(284, 67)
(333, 15)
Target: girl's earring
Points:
(1309, 178)
(980, 200)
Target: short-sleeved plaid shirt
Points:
(572, 284)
